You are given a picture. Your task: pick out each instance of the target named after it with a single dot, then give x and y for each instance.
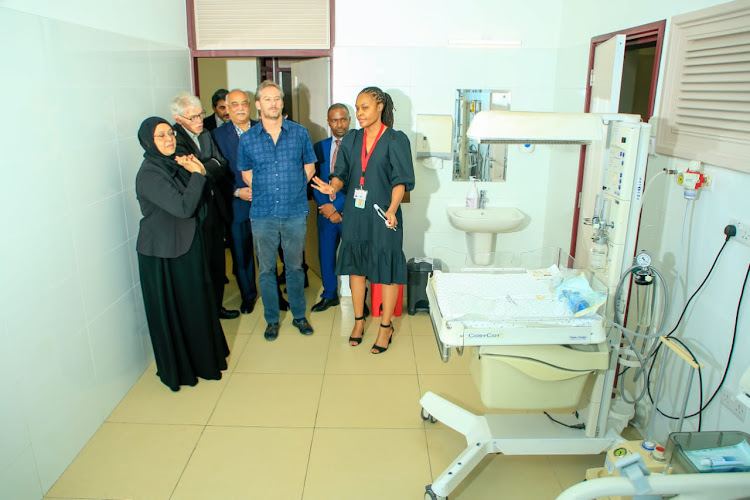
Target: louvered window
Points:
(705, 111)
(262, 25)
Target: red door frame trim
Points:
(195, 54)
(647, 33)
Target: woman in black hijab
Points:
(186, 335)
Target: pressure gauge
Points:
(643, 259)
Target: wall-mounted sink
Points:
(485, 220)
(481, 225)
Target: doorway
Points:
(306, 93)
(639, 78)
(640, 72)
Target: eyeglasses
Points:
(195, 118)
(163, 135)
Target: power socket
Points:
(743, 231)
(729, 400)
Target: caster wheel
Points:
(430, 495)
(426, 416)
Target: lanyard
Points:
(366, 157)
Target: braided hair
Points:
(386, 116)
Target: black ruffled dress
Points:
(368, 248)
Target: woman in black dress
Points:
(186, 335)
(375, 167)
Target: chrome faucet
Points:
(482, 198)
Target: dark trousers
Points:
(244, 263)
(329, 236)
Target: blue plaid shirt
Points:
(279, 178)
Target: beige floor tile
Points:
(290, 353)
(421, 324)
(141, 461)
(497, 475)
(429, 360)
(321, 327)
(458, 389)
(236, 343)
(367, 464)
(571, 469)
(277, 400)
(246, 463)
(369, 401)
(150, 401)
(345, 319)
(345, 359)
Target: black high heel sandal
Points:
(358, 340)
(376, 347)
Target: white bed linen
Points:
(482, 299)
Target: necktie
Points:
(335, 154)
(333, 162)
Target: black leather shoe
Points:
(272, 331)
(325, 304)
(247, 306)
(283, 304)
(307, 282)
(303, 326)
(228, 313)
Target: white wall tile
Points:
(170, 67)
(69, 228)
(117, 349)
(20, 481)
(106, 278)
(92, 174)
(14, 437)
(130, 157)
(129, 105)
(60, 402)
(99, 228)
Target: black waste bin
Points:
(418, 272)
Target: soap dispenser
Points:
(472, 195)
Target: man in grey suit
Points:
(192, 139)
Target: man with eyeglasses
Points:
(192, 139)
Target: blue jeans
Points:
(291, 232)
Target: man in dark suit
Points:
(192, 139)
(221, 114)
(227, 137)
(330, 211)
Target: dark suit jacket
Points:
(170, 202)
(322, 170)
(209, 122)
(217, 167)
(227, 140)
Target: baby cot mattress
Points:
(505, 309)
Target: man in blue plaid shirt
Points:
(277, 161)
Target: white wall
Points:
(406, 53)
(78, 78)
(707, 328)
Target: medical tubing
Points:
(655, 348)
(681, 256)
(650, 183)
(625, 331)
(729, 357)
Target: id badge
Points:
(360, 195)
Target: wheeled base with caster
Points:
(523, 434)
